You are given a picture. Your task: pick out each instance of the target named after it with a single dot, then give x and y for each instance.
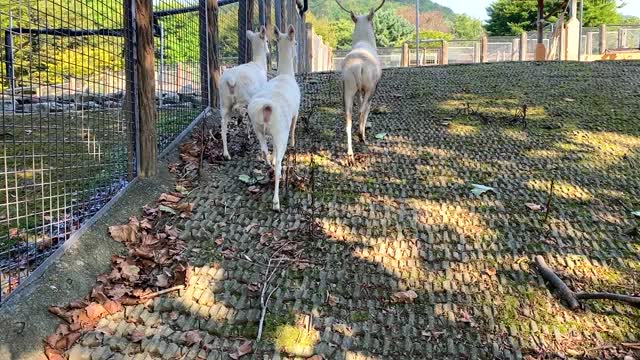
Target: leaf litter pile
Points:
(154, 262)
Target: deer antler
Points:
(379, 6)
(349, 11)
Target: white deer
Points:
(274, 109)
(361, 71)
(240, 83)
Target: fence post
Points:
(146, 88)
(245, 22)
(204, 52)
(8, 57)
(268, 25)
(523, 46)
(213, 53)
(445, 53)
(484, 49)
(588, 50)
(514, 50)
(603, 39)
(310, 48)
(130, 99)
(622, 38)
(404, 59)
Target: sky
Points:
(477, 8)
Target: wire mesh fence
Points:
(66, 139)
(178, 71)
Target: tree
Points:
(507, 17)
(467, 28)
(391, 30)
(432, 20)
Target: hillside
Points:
(329, 10)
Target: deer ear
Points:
(276, 31)
(263, 32)
(354, 18)
(291, 32)
(249, 34)
(370, 16)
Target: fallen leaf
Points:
(174, 315)
(192, 337)
(332, 300)
(490, 271)
(162, 281)
(13, 232)
(246, 179)
(167, 209)
(228, 253)
(219, 241)
(53, 354)
(432, 333)
(136, 336)
(569, 99)
(250, 227)
(124, 233)
(534, 207)
(61, 313)
(636, 213)
(171, 231)
(404, 296)
(380, 136)
(316, 357)
(180, 188)
(112, 307)
(244, 349)
(465, 317)
(254, 189)
(480, 189)
(130, 272)
(382, 109)
(165, 197)
(95, 311)
(253, 287)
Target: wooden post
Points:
(130, 108)
(445, 53)
(245, 22)
(603, 39)
(514, 50)
(310, 48)
(484, 49)
(523, 46)
(204, 52)
(540, 53)
(588, 50)
(269, 26)
(622, 38)
(404, 58)
(146, 89)
(213, 54)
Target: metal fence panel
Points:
(67, 143)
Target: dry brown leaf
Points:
(53, 354)
(95, 311)
(490, 271)
(332, 300)
(192, 337)
(61, 313)
(169, 198)
(253, 287)
(112, 307)
(244, 349)
(465, 317)
(124, 233)
(316, 357)
(171, 231)
(130, 272)
(118, 291)
(174, 315)
(404, 296)
(219, 241)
